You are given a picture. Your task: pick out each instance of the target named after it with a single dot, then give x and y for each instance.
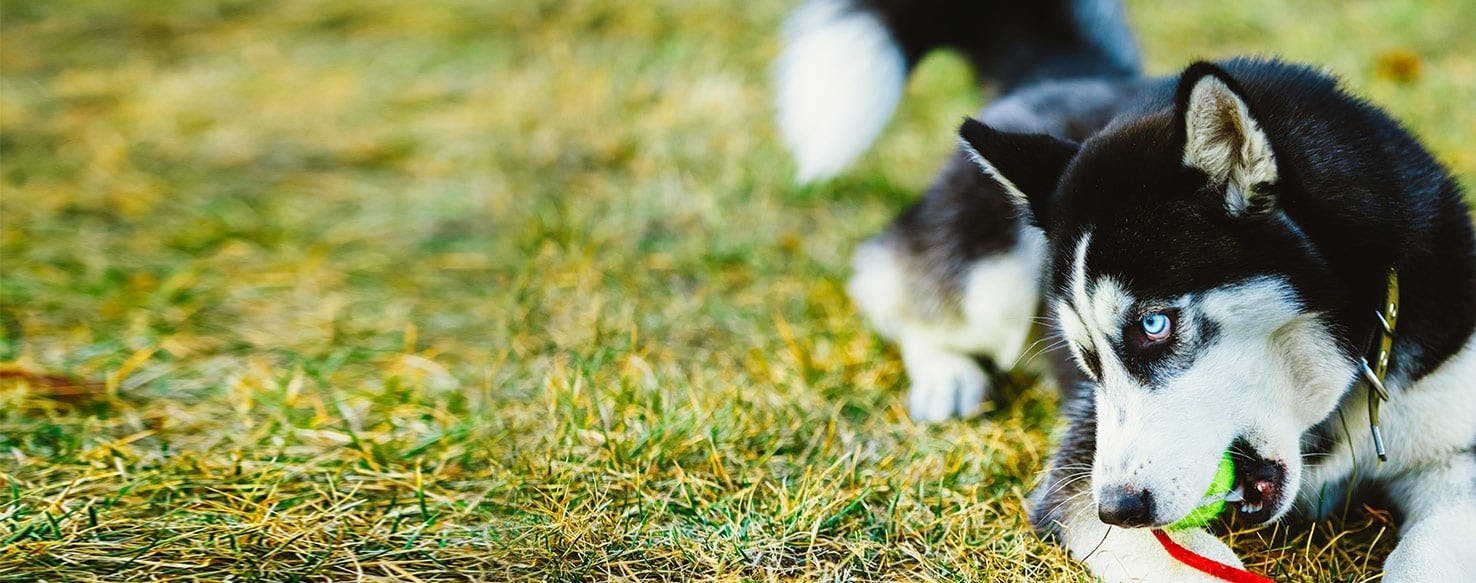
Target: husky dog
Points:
(1239, 257)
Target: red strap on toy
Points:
(1205, 564)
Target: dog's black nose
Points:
(1124, 506)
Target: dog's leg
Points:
(953, 279)
(1063, 510)
(942, 336)
(945, 383)
(1439, 507)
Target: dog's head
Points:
(1187, 293)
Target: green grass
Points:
(327, 290)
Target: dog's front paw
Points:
(944, 384)
(1435, 546)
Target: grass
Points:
(495, 290)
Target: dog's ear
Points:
(1028, 166)
(1222, 138)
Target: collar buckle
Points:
(1374, 375)
(1374, 382)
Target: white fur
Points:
(1001, 293)
(1078, 331)
(1440, 524)
(944, 379)
(992, 318)
(1078, 283)
(879, 286)
(1425, 424)
(1412, 439)
(945, 382)
(1224, 141)
(1162, 439)
(1074, 330)
(1274, 371)
(839, 78)
(1110, 303)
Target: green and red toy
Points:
(1209, 508)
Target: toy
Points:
(1214, 500)
(1205, 564)
(1209, 508)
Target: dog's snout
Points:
(1126, 506)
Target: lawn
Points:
(521, 289)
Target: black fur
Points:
(1033, 162)
(1092, 145)
(1035, 48)
(963, 216)
(1319, 441)
(1356, 195)
(1015, 43)
(1069, 472)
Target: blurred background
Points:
(319, 289)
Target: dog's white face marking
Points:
(1110, 304)
(1247, 361)
(1078, 333)
(1078, 271)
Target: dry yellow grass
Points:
(493, 290)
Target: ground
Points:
(521, 289)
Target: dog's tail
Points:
(845, 62)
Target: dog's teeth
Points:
(1236, 495)
(1265, 487)
(1250, 508)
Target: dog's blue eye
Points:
(1157, 326)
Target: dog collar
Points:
(1382, 341)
